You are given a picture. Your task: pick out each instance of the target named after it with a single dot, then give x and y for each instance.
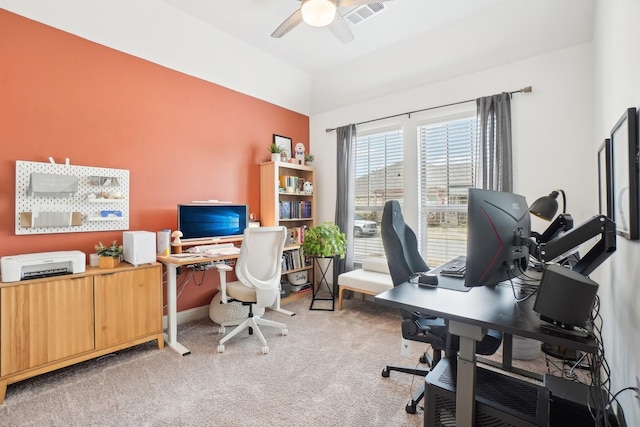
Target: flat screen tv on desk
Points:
(201, 221)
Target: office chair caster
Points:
(411, 407)
(265, 349)
(221, 348)
(285, 331)
(386, 373)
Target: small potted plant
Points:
(275, 151)
(325, 241)
(308, 159)
(109, 255)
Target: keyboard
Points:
(455, 268)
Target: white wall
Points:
(552, 126)
(617, 87)
(160, 33)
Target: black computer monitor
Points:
(201, 220)
(498, 235)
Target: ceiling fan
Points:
(322, 13)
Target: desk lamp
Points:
(546, 207)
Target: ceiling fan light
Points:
(318, 13)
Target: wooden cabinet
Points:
(128, 306)
(47, 324)
(292, 209)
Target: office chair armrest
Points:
(223, 269)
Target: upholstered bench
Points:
(372, 279)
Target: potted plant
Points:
(275, 151)
(325, 240)
(109, 255)
(308, 158)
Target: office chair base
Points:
(413, 371)
(251, 324)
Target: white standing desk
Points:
(173, 262)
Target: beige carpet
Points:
(326, 372)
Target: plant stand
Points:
(317, 287)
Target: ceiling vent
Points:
(364, 12)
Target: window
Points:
(428, 171)
(378, 178)
(446, 171)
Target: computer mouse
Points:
(428, 279)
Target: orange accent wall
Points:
(181, 138)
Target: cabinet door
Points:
(128, 305)
(44, 322)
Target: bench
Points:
(372, 279)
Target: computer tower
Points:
(500, 400)
(570, 404)
(139, 247)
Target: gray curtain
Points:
(494, 166)
(345, 195)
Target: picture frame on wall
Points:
(283, 142)
(604, 178)
(624, 182)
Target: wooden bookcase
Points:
(273, 196)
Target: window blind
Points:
(379, 177)
(446, 171)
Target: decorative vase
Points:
(275, 157)
(108, 262)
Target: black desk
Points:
(469, 315)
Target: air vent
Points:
(365, 12)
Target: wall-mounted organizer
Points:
(60, 198)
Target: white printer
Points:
(43, 264)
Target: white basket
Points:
(297, 278)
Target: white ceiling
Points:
(316, 49)
(410, 44)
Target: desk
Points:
(469, 315)
(173, 262)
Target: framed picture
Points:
(604, 178)
(624, 166)
(284, 143)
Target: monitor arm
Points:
(599, 225)
(563, 222)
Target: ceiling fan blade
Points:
(289, 24)
(340, 29)
(349, 3)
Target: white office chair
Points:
(258, 269)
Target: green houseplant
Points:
(325, 240)
(109, 255)
(275, 151)
(308, 158)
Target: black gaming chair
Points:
(404, 260)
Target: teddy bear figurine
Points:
(300, 153)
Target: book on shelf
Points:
(295, 209)
(296, 235)
(293, 259)
(305, 287)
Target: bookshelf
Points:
(283, 202)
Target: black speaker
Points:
(565, 298)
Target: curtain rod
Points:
(527, 89)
